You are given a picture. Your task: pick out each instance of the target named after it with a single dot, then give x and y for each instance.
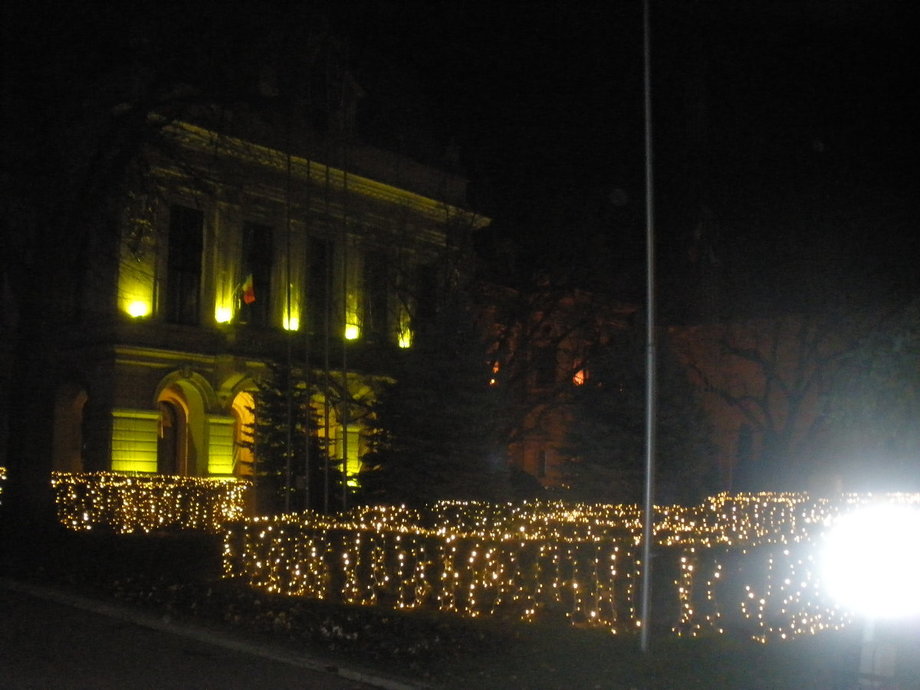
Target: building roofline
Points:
(201, 138)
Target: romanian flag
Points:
(249, 291)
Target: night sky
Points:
(785, 153)
(784, 138)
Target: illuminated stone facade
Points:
(543, 342)
(232, 254)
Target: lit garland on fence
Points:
(363, 560)
(143, 503)
(740, 561)
(2, 481)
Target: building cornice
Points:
(199, 138)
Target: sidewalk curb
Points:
(209, 636)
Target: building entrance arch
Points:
(172, 433)
(183, 401)
(67, 436)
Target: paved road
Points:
(74, 643)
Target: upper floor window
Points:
(319, 284)
(376, 293)
(426, 295)
(255, 298)
(182, 303)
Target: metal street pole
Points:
(650, 388)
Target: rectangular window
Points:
(255, 298)
(376, 290)
(319, 284)
(426, 295)
(183, 269)
(352, 464)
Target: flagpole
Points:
(650, 366)
(289, 441)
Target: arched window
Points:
(67, 438)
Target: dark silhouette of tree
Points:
(284, 441)
(872, 441)
(607, 434)
(437, 431)
(783, 378)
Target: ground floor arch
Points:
(67, 437)
(181, 428)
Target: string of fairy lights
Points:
(742, 562)
(144, 503)
(739, 562)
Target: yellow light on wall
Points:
(404, 336)
(220, 446)
(138, 309)
(223, 314)
(136, 270)
(134, 440)
(291, 306)
(352, 331)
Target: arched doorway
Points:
(67, 435)
(183, 400)
(172, 438)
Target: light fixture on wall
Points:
(223, 314)
(138, 309)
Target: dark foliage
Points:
(872, 441)
(607, 436)
(285, 443)
(437, 430)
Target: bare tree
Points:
(768, 387)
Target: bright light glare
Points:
(871, 561)
(139, 308)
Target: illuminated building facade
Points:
(233, 252)
(544, 341)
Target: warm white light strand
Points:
(574, 562)
(743, 561)
(143, 503)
